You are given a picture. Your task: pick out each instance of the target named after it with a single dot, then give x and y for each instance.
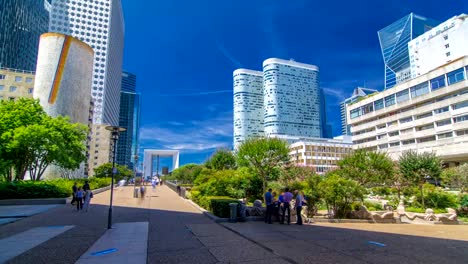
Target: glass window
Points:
(2, 87)
(406, 120)
(456, 76)
(13, 88)
(394, 144)
(421, 128)
(378, 104)
(402, 96)
(428, 114)
(383, 146)
(460, 119)
(438, 82)
(445, 135)
(390, 100)
(407, 142)
(28, 79)
(444, 122)
(426, 139)
(419, 89)
(462, 132)
(394, 133)
(460, 105)
(18, 78)
(405, 131)
(2, 76)
(367, 108)
(30, 90)
(441, 110)
(355, 112)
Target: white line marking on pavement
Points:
(124, 243)
(15, 245)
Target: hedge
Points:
(220, 207)
(59, 188)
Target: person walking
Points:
(88, 195)
(79, 199)
(298, 207)
(268, 202)
(287, 197)
(275, 207)
(74, 190)
(142, 191)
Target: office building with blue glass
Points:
(21, 25)
(394, 45)
(127, 146)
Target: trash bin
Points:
(135, 193)
(242, 212)
(233, 212)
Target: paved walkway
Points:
(179, 233)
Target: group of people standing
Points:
(282, 206)
(82, 196)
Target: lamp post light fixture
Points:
(135, 165)
(115, 130)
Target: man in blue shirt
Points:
(269, 203)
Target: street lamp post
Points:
(115, 130)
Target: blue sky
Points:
(184, 53)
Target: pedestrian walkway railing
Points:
(181, 191)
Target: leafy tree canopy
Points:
(222, 159)
(187, 173)
(105, 171)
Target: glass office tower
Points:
(394, 45)
(21, 24)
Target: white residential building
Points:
(248, 105)
(438, 46)
(100, 24)
(428, 113)
(292, 98)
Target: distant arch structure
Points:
(150, 154)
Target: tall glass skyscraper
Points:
(293, 101)
(21, 24)
(248, 105)
(394, 45)
(127, 146)
(100, 24)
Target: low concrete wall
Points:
(39, 201)
(173, 187)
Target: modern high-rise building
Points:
(358, 93)
(100, 24)
(394, 45)
(127, 146)
(248, 105)
(428, 114)
(292, 99)
(21, 24)
(440, 45)
(16, 83)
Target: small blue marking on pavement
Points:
(376, 243)
(104, 252)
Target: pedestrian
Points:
(142, 191)
(268, 202)
(287, 197)
(153, 184)
(298, 207)
(74, 190)
(87, 200)
(275, 207)
(161, 182)
(79, 199)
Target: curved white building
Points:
(293, 101)
(248, 105)
(64, 76)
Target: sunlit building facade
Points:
(394, 45)
(16, 84)
(358, 93)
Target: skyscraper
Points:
(129, 119)
(293, 101)
(394, 45)
(359, 92)
(248, 105)
(21, 24)
(98, 23)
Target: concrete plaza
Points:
(177, 232)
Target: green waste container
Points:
(233, 212)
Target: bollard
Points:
(233, 212)
(242, 212)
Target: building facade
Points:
(16, 83)
(22, 22)
(99, 24)
(358, 93)
(292, 99)
(100, 147)
(127, 145)
(428, 113)
(440, 45)
(248, 105)
(321, 154)
(394, 45)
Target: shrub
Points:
(205, 201)
(382, 191)
(373, 206)
(220, 207)
(436, 199)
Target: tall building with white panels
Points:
(358, 93)
(292, 99)
(248, 105)
(440, 45)
(100, 24)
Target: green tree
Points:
(291, 173)
(264, 156)
(105, 171)
(456, 177)
(222, 159)
(312, 193)
(368, 168)
(187, 173)
(416, 168)
(339, 192)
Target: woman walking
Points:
(79, 199)
(88, 196)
